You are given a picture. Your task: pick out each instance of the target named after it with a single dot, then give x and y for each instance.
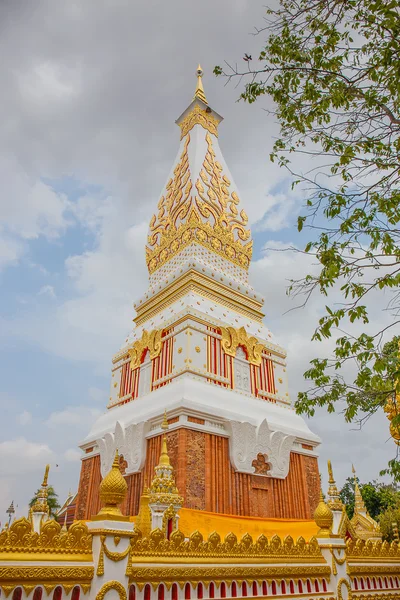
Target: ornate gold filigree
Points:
(20, 537)
(210, 218)
(44, 574)
(111, 585)
(114, 556)
(149, 341)
(392, 410)
(154, 575)
(199, 116)
(232, 338)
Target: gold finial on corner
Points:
(334, 501)
(359, 504)
(46, 476)
(330, 472)
(199, 93)
(164, 424)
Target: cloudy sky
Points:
(90, 92)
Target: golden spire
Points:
(41, 505)
(199, 93)
(113, 489)
(163, 487)
(164, 458)
(323, 517)
(359, 505)
(334, 502)
(46, 476)
(64, 527)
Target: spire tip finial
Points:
(164, 424)
(199, 93)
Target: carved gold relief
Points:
(199, 116)
(210, 218)
(232, 338)
(151, 341)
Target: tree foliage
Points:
(52, 501)
(332, 68)
(377, 496)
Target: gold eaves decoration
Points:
(210, 218)
(199, 116)
(180, 548)
(372, 549)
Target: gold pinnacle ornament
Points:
(113, 490)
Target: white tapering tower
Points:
(200, 350)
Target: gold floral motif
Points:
(232, 338)
(151, 341)
(111, 585)
(20, 537)
(210, 218)
(199, 116)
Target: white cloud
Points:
(98, 395)
(19, 455)
(10, 251)
(24, 418)
(72, 455)
(47, 290)
(76, 416)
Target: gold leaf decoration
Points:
(199, 116)
(149, 341)
(232, 338)
(209, 217)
